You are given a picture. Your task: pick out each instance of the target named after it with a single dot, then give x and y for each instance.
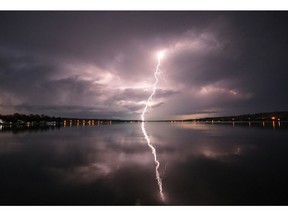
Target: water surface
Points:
(198, 164)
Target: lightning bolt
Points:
(159, 56)
(158, 178)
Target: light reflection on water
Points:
(158, 177)
(201, 164)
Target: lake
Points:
(146, 164)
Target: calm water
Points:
(176, 164)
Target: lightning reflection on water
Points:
(159, 180)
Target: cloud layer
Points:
(101, 64)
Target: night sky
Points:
(101, 64)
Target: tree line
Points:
(14, 118)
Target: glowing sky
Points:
(101, 64)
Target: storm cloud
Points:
(100, 64)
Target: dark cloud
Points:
(101, 63)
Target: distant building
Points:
(20, 122)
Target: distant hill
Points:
(268, 116)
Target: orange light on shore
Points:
(273, 118)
